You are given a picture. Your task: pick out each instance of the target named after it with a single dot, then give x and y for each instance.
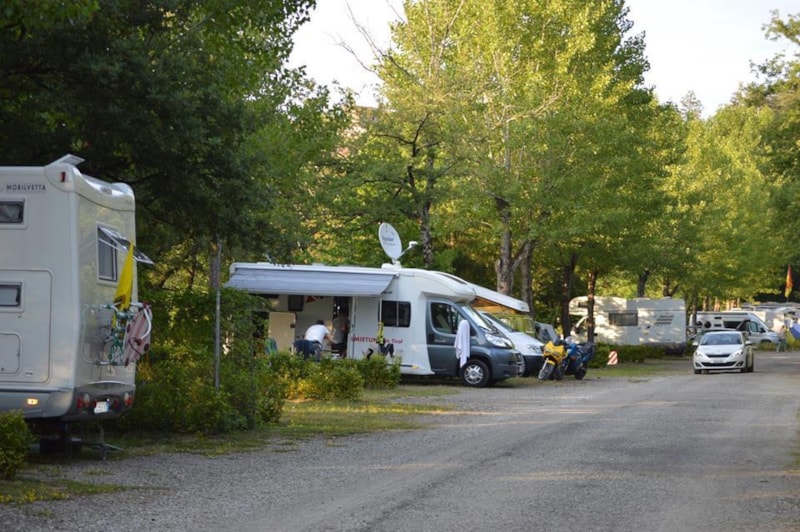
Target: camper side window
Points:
(106, 257)
(10, 295)
(629, 319)
(396, 313)
(12, 212)
(444, 318)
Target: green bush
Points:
(15, 442)
(625, 354)
(330, 379)
(176, 389)
(377, 374)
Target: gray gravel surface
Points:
(670, 452)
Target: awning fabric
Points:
(496, 298)
(326, 281)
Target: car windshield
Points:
(721, 339)
(497, 322)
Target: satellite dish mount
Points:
(391, 243)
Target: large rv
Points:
(68, 350)
(639, 321)
(408, 314)
(743, 320)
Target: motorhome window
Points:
(106, 257)
(116, 240)
(396, 313)
(11, 212)
(623, 319)
(444, 317)
(10, 295)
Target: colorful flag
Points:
(789, 284)
(122, 299)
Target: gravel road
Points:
(670, 452)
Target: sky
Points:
(704, 46)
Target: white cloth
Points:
(462, 342)
(317, 333)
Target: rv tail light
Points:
(128, 399)
(83, 401)
(63, 176)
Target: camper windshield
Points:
(477, 319)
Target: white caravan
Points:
(408, 313)
(743, 320)
(67, 351)
(639, 321)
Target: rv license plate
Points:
(101, 407)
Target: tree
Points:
(171, 97)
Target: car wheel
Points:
(475, 374)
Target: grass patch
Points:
(25, 489)
(650, 367)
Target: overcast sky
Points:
(705, 46)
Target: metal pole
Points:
(217, 266)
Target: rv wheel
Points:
(475, 374)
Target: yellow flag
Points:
(788, 289)
(122, 299)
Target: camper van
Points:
(406, 314)
(68, 350)
(742, 320)
(639, 321)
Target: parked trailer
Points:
(71, 325)
(639, 321)
(411, 315)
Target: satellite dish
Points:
(390, 241)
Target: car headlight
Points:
(499, 341)
(535, 349)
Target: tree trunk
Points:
(503, 265)
(590, 298)
(566, 292)
(526, 278)
(641, 285)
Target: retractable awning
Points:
(490, 298)
(309, 280)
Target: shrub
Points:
(625, 353)
(176, 388)
(377, 374)
(15, 441)
(330, 379)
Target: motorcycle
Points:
(577, 360)
(554, 353)
(564, 357)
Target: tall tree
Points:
(167, 96)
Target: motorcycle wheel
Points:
(546, 371)
(558, 372)
(580, 373)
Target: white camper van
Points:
(67, 351)
(742, 320)
(404, 313)
(639, 321)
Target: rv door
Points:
(282, 329)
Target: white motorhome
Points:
(67, 352)
(639, 321)
(404, 313)
(742, 320)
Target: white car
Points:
(528, 346)
(723, 350)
